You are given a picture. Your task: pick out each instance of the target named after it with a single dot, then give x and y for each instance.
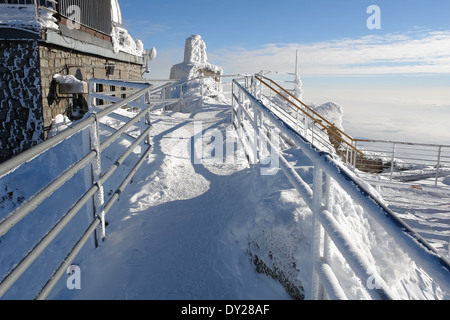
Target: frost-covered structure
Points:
(43, 47)
(195, 62)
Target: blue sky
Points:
(405, 63)
(252, 23)
(246, 26)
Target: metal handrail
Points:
(319, 119)
(419, 250)
(98, 180)
(410, 155)
(404, 142)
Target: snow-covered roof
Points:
(116, 12)
(26, 17)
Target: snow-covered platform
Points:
(180, 231)
(191, 227)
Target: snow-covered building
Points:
(40, 39)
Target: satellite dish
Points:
(149, 56)
(152, 54)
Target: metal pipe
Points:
(125, 127)
(330, 282)
(126, 181)
(14, 275)
(21, 212)
(30, 205)
(114, 167)
(63, 267)
(438, 166)
(359, 264)
(46, 290)
(32, 153)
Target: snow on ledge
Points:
(70, 84)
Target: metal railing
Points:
(313, 126)
(36, 8)
(403, 161)
(407, 161)
(49, 5)
(208, 87)
(142, 99)
(258, 123)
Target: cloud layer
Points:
(420, 52)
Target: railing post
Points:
(438, 166)
(329, 202)
(256, 146)
(394, 147)
(316, 286)
(96, 172)
(202, 90)
(92, 101)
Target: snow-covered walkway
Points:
(177, 231)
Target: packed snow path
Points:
(174, 234)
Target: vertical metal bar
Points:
(36, 3)
(202, 90)
(256, 136)
(96, 168)
(149, 123)
(438, 166)
(316, 287)
(233, 109)
(329, 203)
(393, 157)
(92, 101)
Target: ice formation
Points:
(121, 39)
(331, 111)
(195, 61)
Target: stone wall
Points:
(21, 119)
(29, 99)
(58, 60)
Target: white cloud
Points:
(419, 52)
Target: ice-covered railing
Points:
(407, 161)
(352, 226)
(44, 4)
(200, 86)
(403, 161)
(313, 126)
(28, 15)
(78, 155)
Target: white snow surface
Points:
(123, 42)
(185, 229)
(180, 231)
